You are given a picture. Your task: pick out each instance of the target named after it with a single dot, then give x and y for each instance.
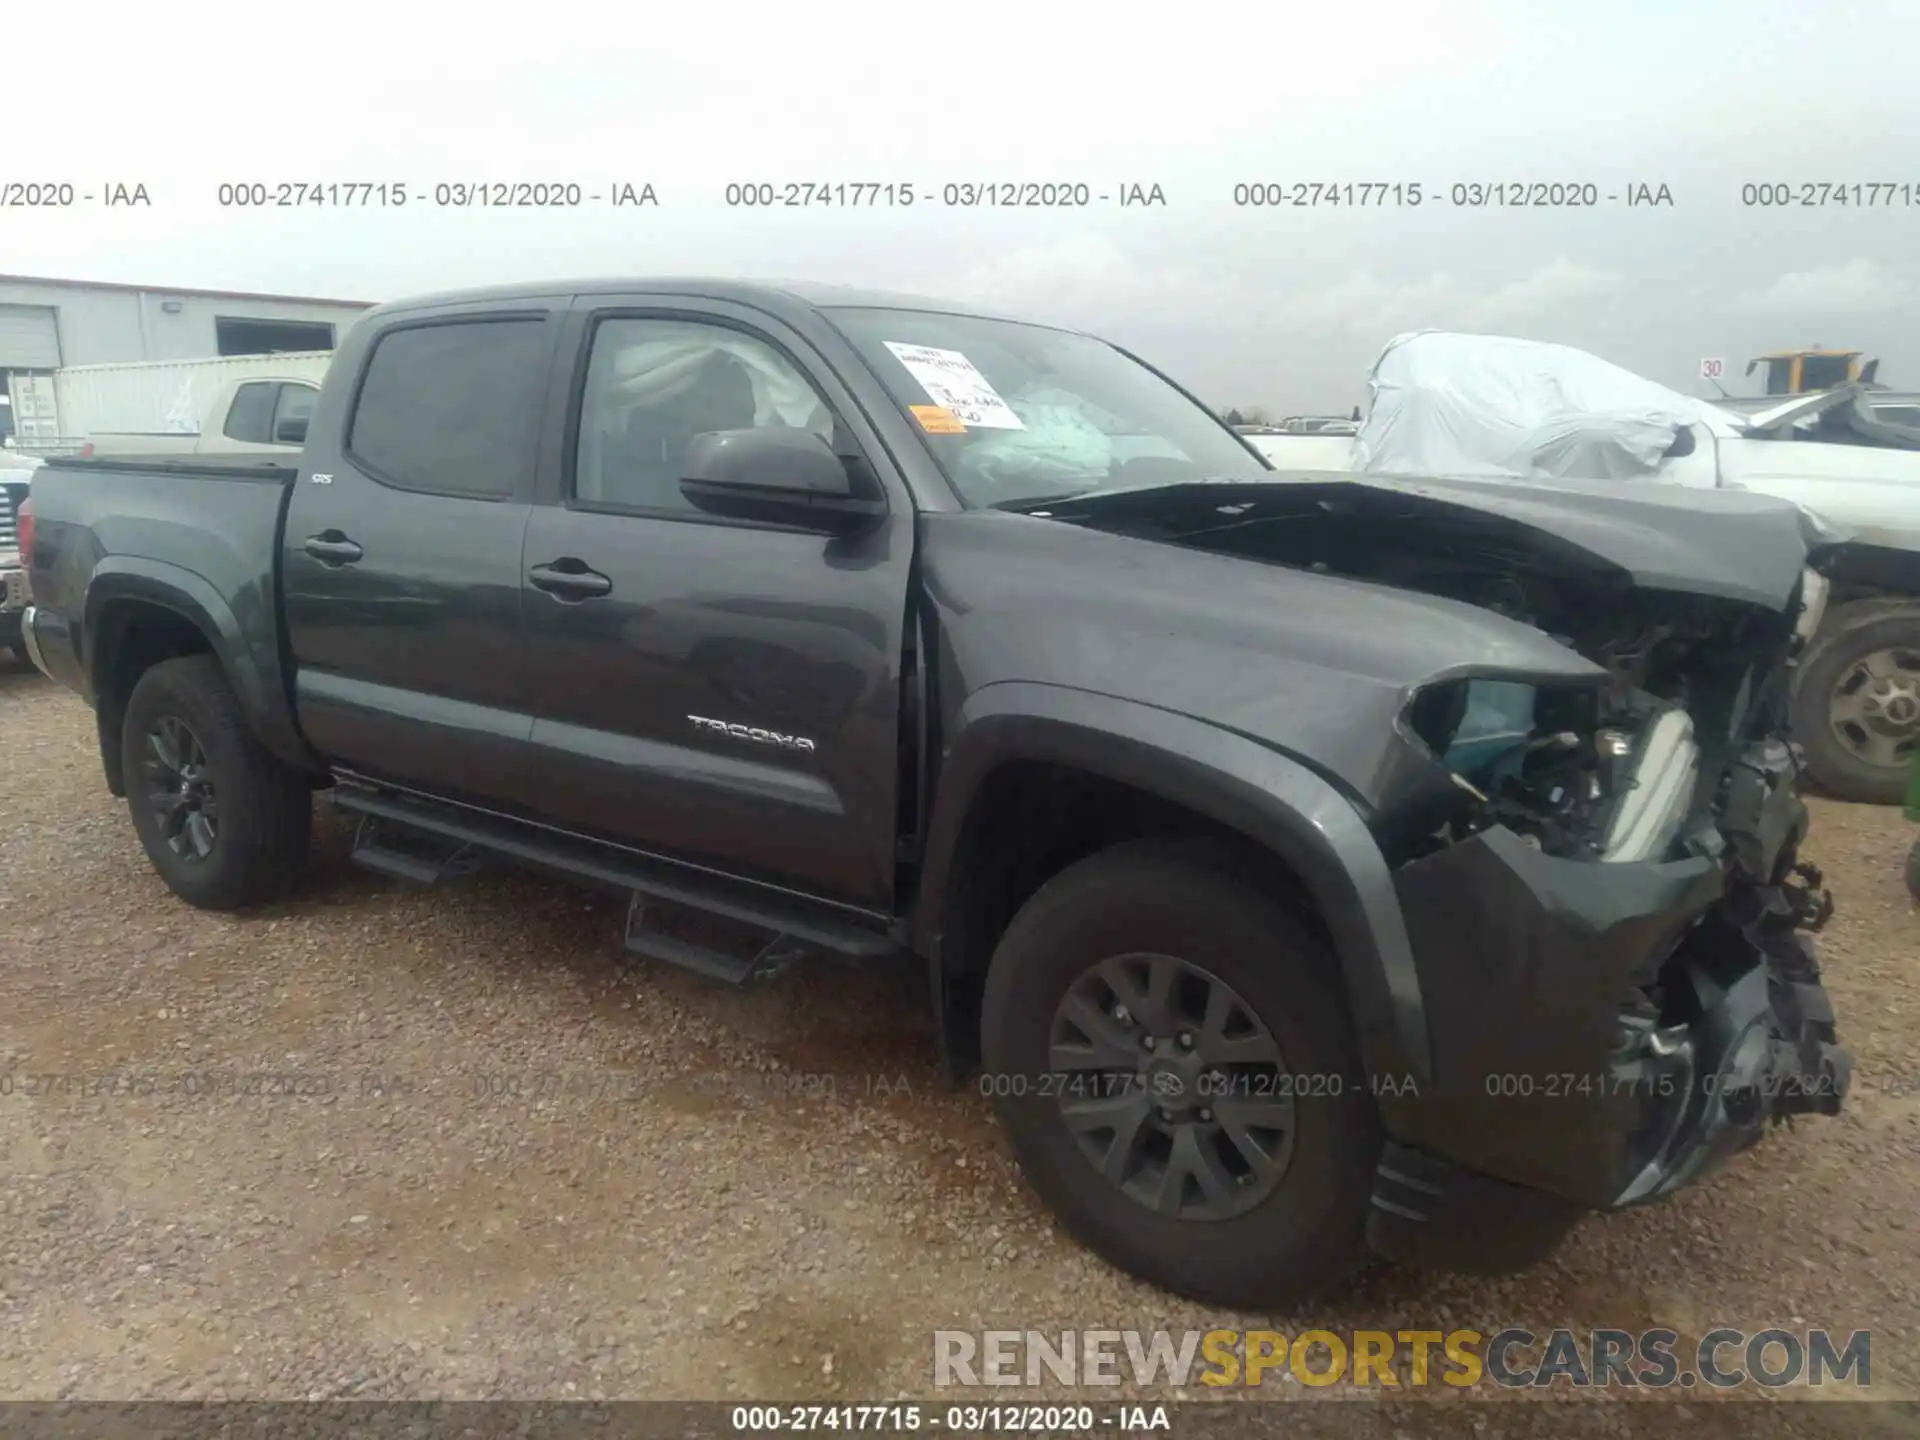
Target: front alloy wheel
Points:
(1174, 1089)
(1168, 1048)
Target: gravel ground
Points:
(503, 1160)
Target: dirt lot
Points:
(501, 1159)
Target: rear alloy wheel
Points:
(224, 822)
(1169, 1050)
(1857, 706)
(179, 789)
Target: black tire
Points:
(265, 809)
(1187, 902)
(1832, 664)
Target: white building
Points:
(46, 325)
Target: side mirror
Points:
(782, 477)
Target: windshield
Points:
(1020, 413)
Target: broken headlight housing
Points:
(1548, 763)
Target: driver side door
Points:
(720, 691)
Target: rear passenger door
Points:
(402, 565)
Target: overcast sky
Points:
(1279, 308)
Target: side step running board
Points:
(468, 837)
(387, 855)
(772, 957)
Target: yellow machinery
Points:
(1801, 372)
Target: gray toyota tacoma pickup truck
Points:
(1304, 870)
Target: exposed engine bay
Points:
(1681, 750)
(1636, 768)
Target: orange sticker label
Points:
(937, 420)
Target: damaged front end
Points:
(1610, 917)
(1588, 807)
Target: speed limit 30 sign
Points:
(1712, 369)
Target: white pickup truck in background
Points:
(1482, 406)
(158, 406)
(268, 415)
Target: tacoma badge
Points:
(755, 734)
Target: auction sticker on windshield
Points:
(954, 383)
(937, 420)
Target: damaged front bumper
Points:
(1601, 1035)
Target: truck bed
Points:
(206, 527)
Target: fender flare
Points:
(1270, 798)
(259, 684)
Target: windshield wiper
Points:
(1040, 502)
(1193, 483)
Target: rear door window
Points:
(452, 408)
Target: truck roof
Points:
(779, 297)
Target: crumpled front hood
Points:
(1732, 545)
